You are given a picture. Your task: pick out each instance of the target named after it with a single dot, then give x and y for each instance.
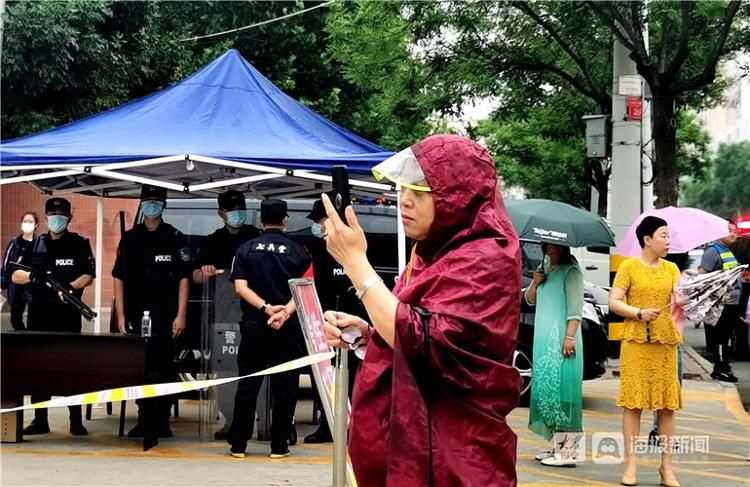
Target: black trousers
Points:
(17, 296)
(719, 336)
(263, 347)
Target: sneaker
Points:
(36, 428)
(78, 429)
(277, 455)
(237, 452)
(545, 454)
(555, 461)
(724, 376)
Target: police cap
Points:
(151, 192)
(272, 211)
(318, 211)
(232, 200)
(57, 204)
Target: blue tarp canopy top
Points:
(225, 125)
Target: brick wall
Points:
(15, 199)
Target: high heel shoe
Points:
(629, 480)
(668, 482)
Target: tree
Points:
(724, 188)
(520, 51)
(63, 61)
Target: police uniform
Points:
(151, 265)
(267, 263)
(67, 257)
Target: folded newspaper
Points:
(708, 293)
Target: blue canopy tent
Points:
(225, 125)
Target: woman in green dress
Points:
(557, 383)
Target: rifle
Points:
(65, 292)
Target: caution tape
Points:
(156, 390)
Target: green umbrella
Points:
(558, 223)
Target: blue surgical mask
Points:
(152, 209)
(317, 230)
(57, 223)
(236, 218)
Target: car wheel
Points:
(522, 361)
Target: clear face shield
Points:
(404, 170)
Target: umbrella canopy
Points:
(708, 293)
(689, 228)
(558, 223)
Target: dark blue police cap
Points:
(57, 204)
(232, 200)
(273, 210)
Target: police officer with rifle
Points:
(58, 266)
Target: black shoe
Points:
(293, 436)
(275, 455)
(36, 428)
(653, 438)
(78, 429)
(165, 432)
(137, 431)
(321, 435)
(724, 376)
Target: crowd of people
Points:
(431, 398)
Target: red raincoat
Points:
(467, 273)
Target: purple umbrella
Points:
(689, 228)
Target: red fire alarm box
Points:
(635, 108)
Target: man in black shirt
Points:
(68, 256)
(219, 249)
(270, 335)
(152, 273)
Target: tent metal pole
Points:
(138, 179)
(140, 163)
(99, 256)
(401, 234)
(37, 177)
(233, 182)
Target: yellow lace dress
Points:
(648, 356)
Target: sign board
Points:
(635, 108)
(630, 85)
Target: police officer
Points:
(219, 249)
(152, 273)
(68, 256)
(335, 293)
(270, 334)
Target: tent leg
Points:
(99, 255)
(401, 235)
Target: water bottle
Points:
(146, 324)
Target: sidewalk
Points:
(104, 459)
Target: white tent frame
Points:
(122, 183)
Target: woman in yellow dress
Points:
(642, 292)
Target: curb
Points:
(705, 365)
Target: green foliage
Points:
(724, 189)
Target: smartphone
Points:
(341, 196)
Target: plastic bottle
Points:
(146, 324)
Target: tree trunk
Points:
(666, 183)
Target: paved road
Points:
(104, 459)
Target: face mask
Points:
(152, 209)
(27, 227)
(317, 230)
(236, 218)
(57, 223)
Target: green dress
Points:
(557, 382)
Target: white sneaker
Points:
(555, 461)
(543, 455)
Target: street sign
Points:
(635, 108)
(629, 85)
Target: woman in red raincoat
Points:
(436, 385)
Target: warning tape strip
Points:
(156, 390)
